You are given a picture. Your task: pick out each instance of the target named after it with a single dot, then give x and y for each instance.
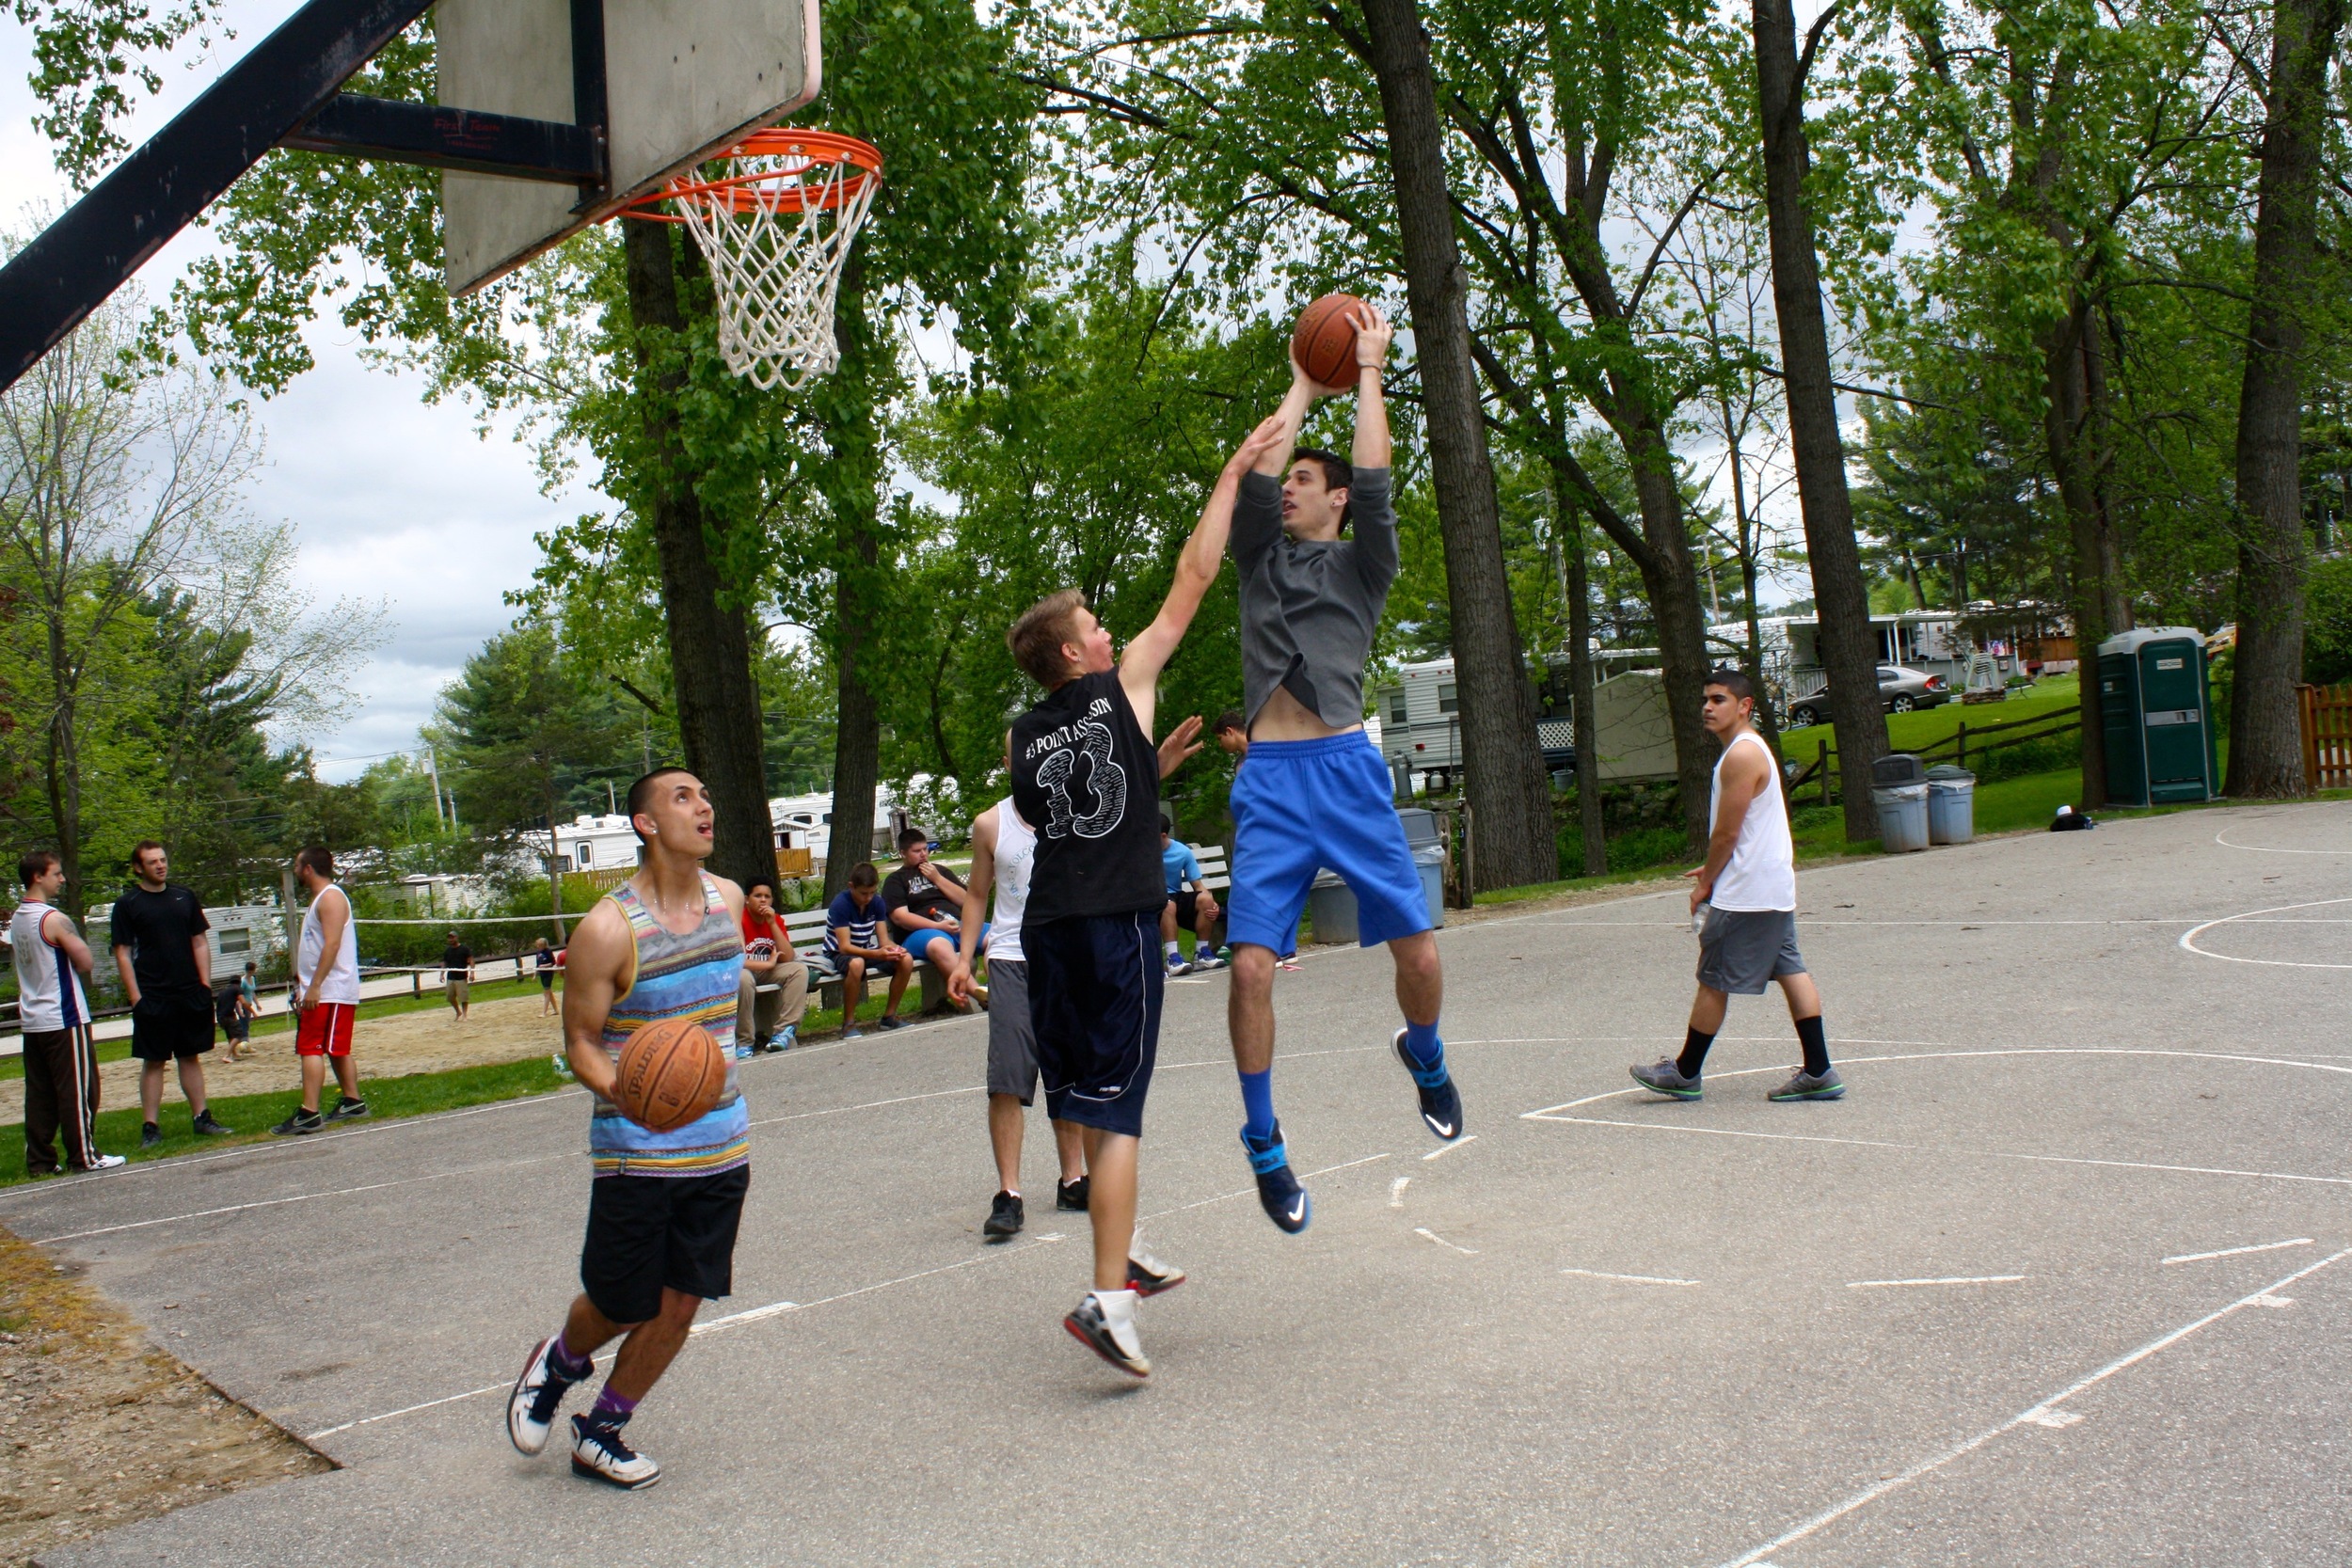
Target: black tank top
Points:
(1086, 775)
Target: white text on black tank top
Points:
(1064, 749)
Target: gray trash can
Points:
(1429, 860)
(1951, 805)
(1331, 903)
(1902, 816)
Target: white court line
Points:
(1958, 1279)
(1431, 1235)
(2224, 838)
(1951, 1149)
(1546, 1113)
(2236, 1251)
(869, 1105)
(1396, 1192)
(2188, 938)
(1628, 1278)
(1448, 1149)
(298, 1197)
(2037, 1415)
(781, 1308)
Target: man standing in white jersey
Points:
(326, 995)
(53, 1010)
(1749, 889)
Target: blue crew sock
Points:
(1257, 1104)
(1422, 1044)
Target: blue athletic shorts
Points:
(1095, 982)
(1302, 806)
(919, 943)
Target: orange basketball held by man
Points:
(649, 1009)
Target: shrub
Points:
(2327, 623)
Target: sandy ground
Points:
(97, 1427)
(429, 1041)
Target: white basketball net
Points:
(775, 220)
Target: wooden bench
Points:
(806, 931)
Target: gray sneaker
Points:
(1666, 1078)
(1804, 1085)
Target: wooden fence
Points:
(2326, 736)
(1955, 750)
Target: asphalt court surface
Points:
(2063, 1281)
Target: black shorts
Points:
(1095, 982)
(1188, 910)
(546, 979)
(645, 1232)
(163, 1027)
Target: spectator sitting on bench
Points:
(1197, 914)
(857, 939)
(925, 901)
(769, 1020)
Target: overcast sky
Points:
(392, 500)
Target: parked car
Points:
(1899, 692)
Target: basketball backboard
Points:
(683, 79)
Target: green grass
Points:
(1917, 732)
(253, 1114)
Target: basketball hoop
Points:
(775, 216)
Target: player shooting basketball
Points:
(662, 1211)
(1312, 792)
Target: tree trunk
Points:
(852, 486)
(1671, 577)
(2265, 739)
(2069, 427)
(1503, 756)
(1592, 829)
(1841, 600)
(710, 652)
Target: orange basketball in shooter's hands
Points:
(1324, 342)
(670, 1073)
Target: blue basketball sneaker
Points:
(1440, 1104)
(1285, 1199)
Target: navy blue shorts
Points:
(1300, 806)
(1095, 982)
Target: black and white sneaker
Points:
(1089, 1327)
(1003, 1218)
(1440, 1102)
(1147, 1276)
(301, 1122)
(149, 1135)
(599, 1452)
(538, 1394)
(1280, 1195)
(1073, 1195)
(347, 1109)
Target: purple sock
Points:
(571, 1365)
(611, 1404)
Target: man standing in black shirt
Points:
(1085, 774)
(457, 975)
(166, 960)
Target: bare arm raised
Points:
(1196, 568)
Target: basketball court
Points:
(2064, 1280)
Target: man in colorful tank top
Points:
(1745, 901)
(665, 1207)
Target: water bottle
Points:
(1698, 918)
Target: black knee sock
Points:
(1694, 1053)
(1816, 1045)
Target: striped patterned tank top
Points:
(692, 976)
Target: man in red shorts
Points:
(327, 992)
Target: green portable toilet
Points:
(2154, 698)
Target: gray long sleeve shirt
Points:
(1309, 609)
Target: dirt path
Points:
(97, 1427)
(427, 1041)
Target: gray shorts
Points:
(1011, 1042)
(1742, 951)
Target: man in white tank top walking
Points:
(327, 993)
(1748, 888)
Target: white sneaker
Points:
(599, 1451)
(1178, 966)
(538, 1394)
(1088, 1325)
(108, 1161)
